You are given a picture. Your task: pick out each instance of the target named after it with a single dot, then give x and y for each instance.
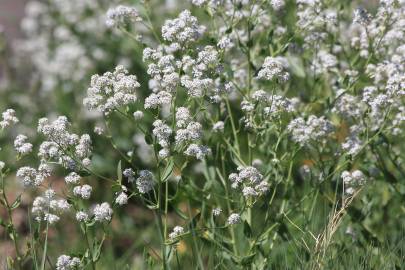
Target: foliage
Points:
(228, 135)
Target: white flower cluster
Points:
(250, 180)
(197, 151)
(198, 79)
(362, 17)
(188, 130)
(102, 212)
(313, 129)
(72, 178)
(162, 132)
(348, 106)
(62, 146)
(353, 144)
(33, 177)
(216, 211)
(277, 4)
(176, 232)
(234, 219)
(47, 208)
(352, 180)
(111, 90)
(21, 146)
(218, 127)
(122, 198)
(378, 103)
(145, 181)
(121, 15)
(8, 118)
(158, 99)
(273, 68)
(272, 106)
(315, 21)
(323, 62)
(83, 192)
(66, 262)
(182, 30)
(82, 216)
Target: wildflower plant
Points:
(259, 128)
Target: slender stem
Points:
(228, 204)
(93, 265)
(235, 135)
(10, 221)
(45, 247)
(162, 227)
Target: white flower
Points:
(111, 90)
(130, 174)
(176, 232)
(352, 180)
(361, 16)
(72, 178)
(60, 139)
(29, 176)
(164, 153)
(98, 130)
(216, 211)
(162, 132)
(83, 192)
(273, 68)
(21, 146)
(218, 126)
(65, 262)
(323, 62)
(9, 118)
(197, 151)
(314, 129)
(184, 29)
(347, 106)
(192, 132)
(225, 43)
(121, 15)
(145, 181)
(156, 100)
(102, 212)
(182, 117)
(234, 219)
(46, 208)
(138, 115)
(82, 216)
(277, 4)
(121, 199)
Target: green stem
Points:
(45, 247)
(235, 135)
(93, 265)
(10, 221)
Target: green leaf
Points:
(247, 260)
(16, 203)
(247, 231)
(168, 170)
(84, 173)
(2, 222)
(119, 172)
(297, 67)
(181, 214)
(148, 139)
